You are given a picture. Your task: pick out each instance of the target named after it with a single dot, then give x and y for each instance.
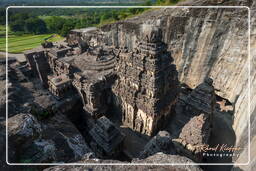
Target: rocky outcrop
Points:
(194, 111)
(204, 42)
(107, 139)
(157, 158)
(194, 135)
(240, 118)
(197, 130)
(2, 92)
(56, 140)
(159, 143)
(23, 127)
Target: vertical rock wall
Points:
(204, 42)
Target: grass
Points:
(21, 43)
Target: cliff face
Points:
(205, 42)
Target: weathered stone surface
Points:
(197, 131)
(204, 43)
(3, 147)
(56, 140)
(194, 135)
(38, 64)
(199, 104)
(2, 93)
(193, 120)
(147, 84)
(23, 127)
(106, 138)
(157, 158)
(240, 127)
(160, 143)
(60, 85)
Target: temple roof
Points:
(106, 135)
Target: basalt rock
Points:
(160, 143)
(197, 131)
(204, 42)
(106, 138)
(147, 84)
(200, 100)
(56, 140)
(192, 123)
(156, 158)
(193, 137)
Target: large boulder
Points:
(23, 127)
(197, 130)
(53, 140)
(156, 158)
(160, 143)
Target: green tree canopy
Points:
(35, 25)
(69, 25)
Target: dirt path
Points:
(19, 57)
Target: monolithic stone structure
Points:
(106, 138)
(203, 42)
(38, 64)
(141, 83)
(54, 54)
(193, 122)
(147, 84)
(160, 143)
(83, 36)
(200, 100)
(95, 80)
(194, 137)
(197, 130)
(60, 85)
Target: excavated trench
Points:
(205, 43)
(222, 132)
(209, 52)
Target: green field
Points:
(21, 43)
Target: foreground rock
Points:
(23, 127)
(107, 139)
(157, 158)
(2, 92)
(54, 140)
(196, 131)
(159, 143)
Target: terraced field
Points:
(20, 43)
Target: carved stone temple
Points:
(107, 139)
(139, 85)
(116, 86)
(147, 84)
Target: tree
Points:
(122, 14)
(2, 16)
(17, 26)
(19, 16)
(54, 24)
(105, 16)
(148, 3)
(35, 26)
(159, 2)
(115, 15)
(69, 25)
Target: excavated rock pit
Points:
(203, 43)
